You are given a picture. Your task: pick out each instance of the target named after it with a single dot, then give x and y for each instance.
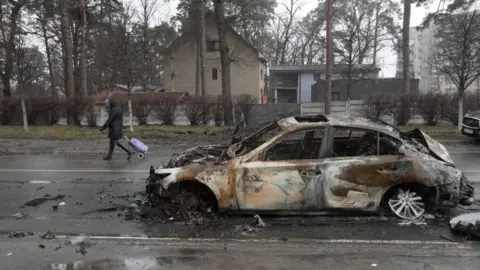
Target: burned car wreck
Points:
(316, 163)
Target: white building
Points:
(422, 49)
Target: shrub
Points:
(377, 106)
(197, 109)
(37, 106)
(8, 105)
(431, 107)
(142, 105)
(245, 104)
(470, 103)
(217, 105)
(165, 107)
(403, 108)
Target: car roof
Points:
(319, 120)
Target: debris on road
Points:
(77, 240)
(412, 222)
(57, 248)
(259, 222)
(17, 234)
(41, 246)
(245, 230)
(9, 254)
(82, 241)
(18, 215)
(429, 216)
(48, 235)
(47, 197)
(467, 223)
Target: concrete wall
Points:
(362, 89)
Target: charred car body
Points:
(316, 163)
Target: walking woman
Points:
(115, 127)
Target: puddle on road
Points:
(141, 263)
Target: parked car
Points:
(471, 124)
(315, 163)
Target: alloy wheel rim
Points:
(407, 205)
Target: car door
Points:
(357, 179)
(284, 174)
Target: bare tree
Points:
(149, 8)
(83, 48)
(406, 45)
(28, 70)
(457, 51)
(128, 54)
(353, 42)
(284, 31)
(10, 12)
(69, 80)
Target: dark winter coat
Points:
(114, 121)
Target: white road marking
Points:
(74, 170)
(40, 182)
(318, 241)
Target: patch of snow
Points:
(470, 218)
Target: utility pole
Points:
(328, 77)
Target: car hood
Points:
(475, 114)
(436, 148)
(196, 155)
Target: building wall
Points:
(362, 89)
(306, 81)
(245, 70)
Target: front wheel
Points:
(407, 204)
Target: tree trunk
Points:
(347, 101)
(24, 114)
(460, 109)
(329, 51)
(83, 50)
(130, 114)
(198, 78)
(375, 35)
(203, 48)
(53, 91)
(406, 45)
(225, 61)
(67, 60)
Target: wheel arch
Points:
(430, 191)
(202, 190)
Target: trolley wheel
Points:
(141, 155)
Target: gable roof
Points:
(182, 39)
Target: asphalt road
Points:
(97, 194)
(160, 254)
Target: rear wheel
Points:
(408, 204)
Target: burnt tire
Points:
(190, 198)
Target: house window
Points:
(335, 96)
(214, 74)
(261, 74)
(213, 46)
